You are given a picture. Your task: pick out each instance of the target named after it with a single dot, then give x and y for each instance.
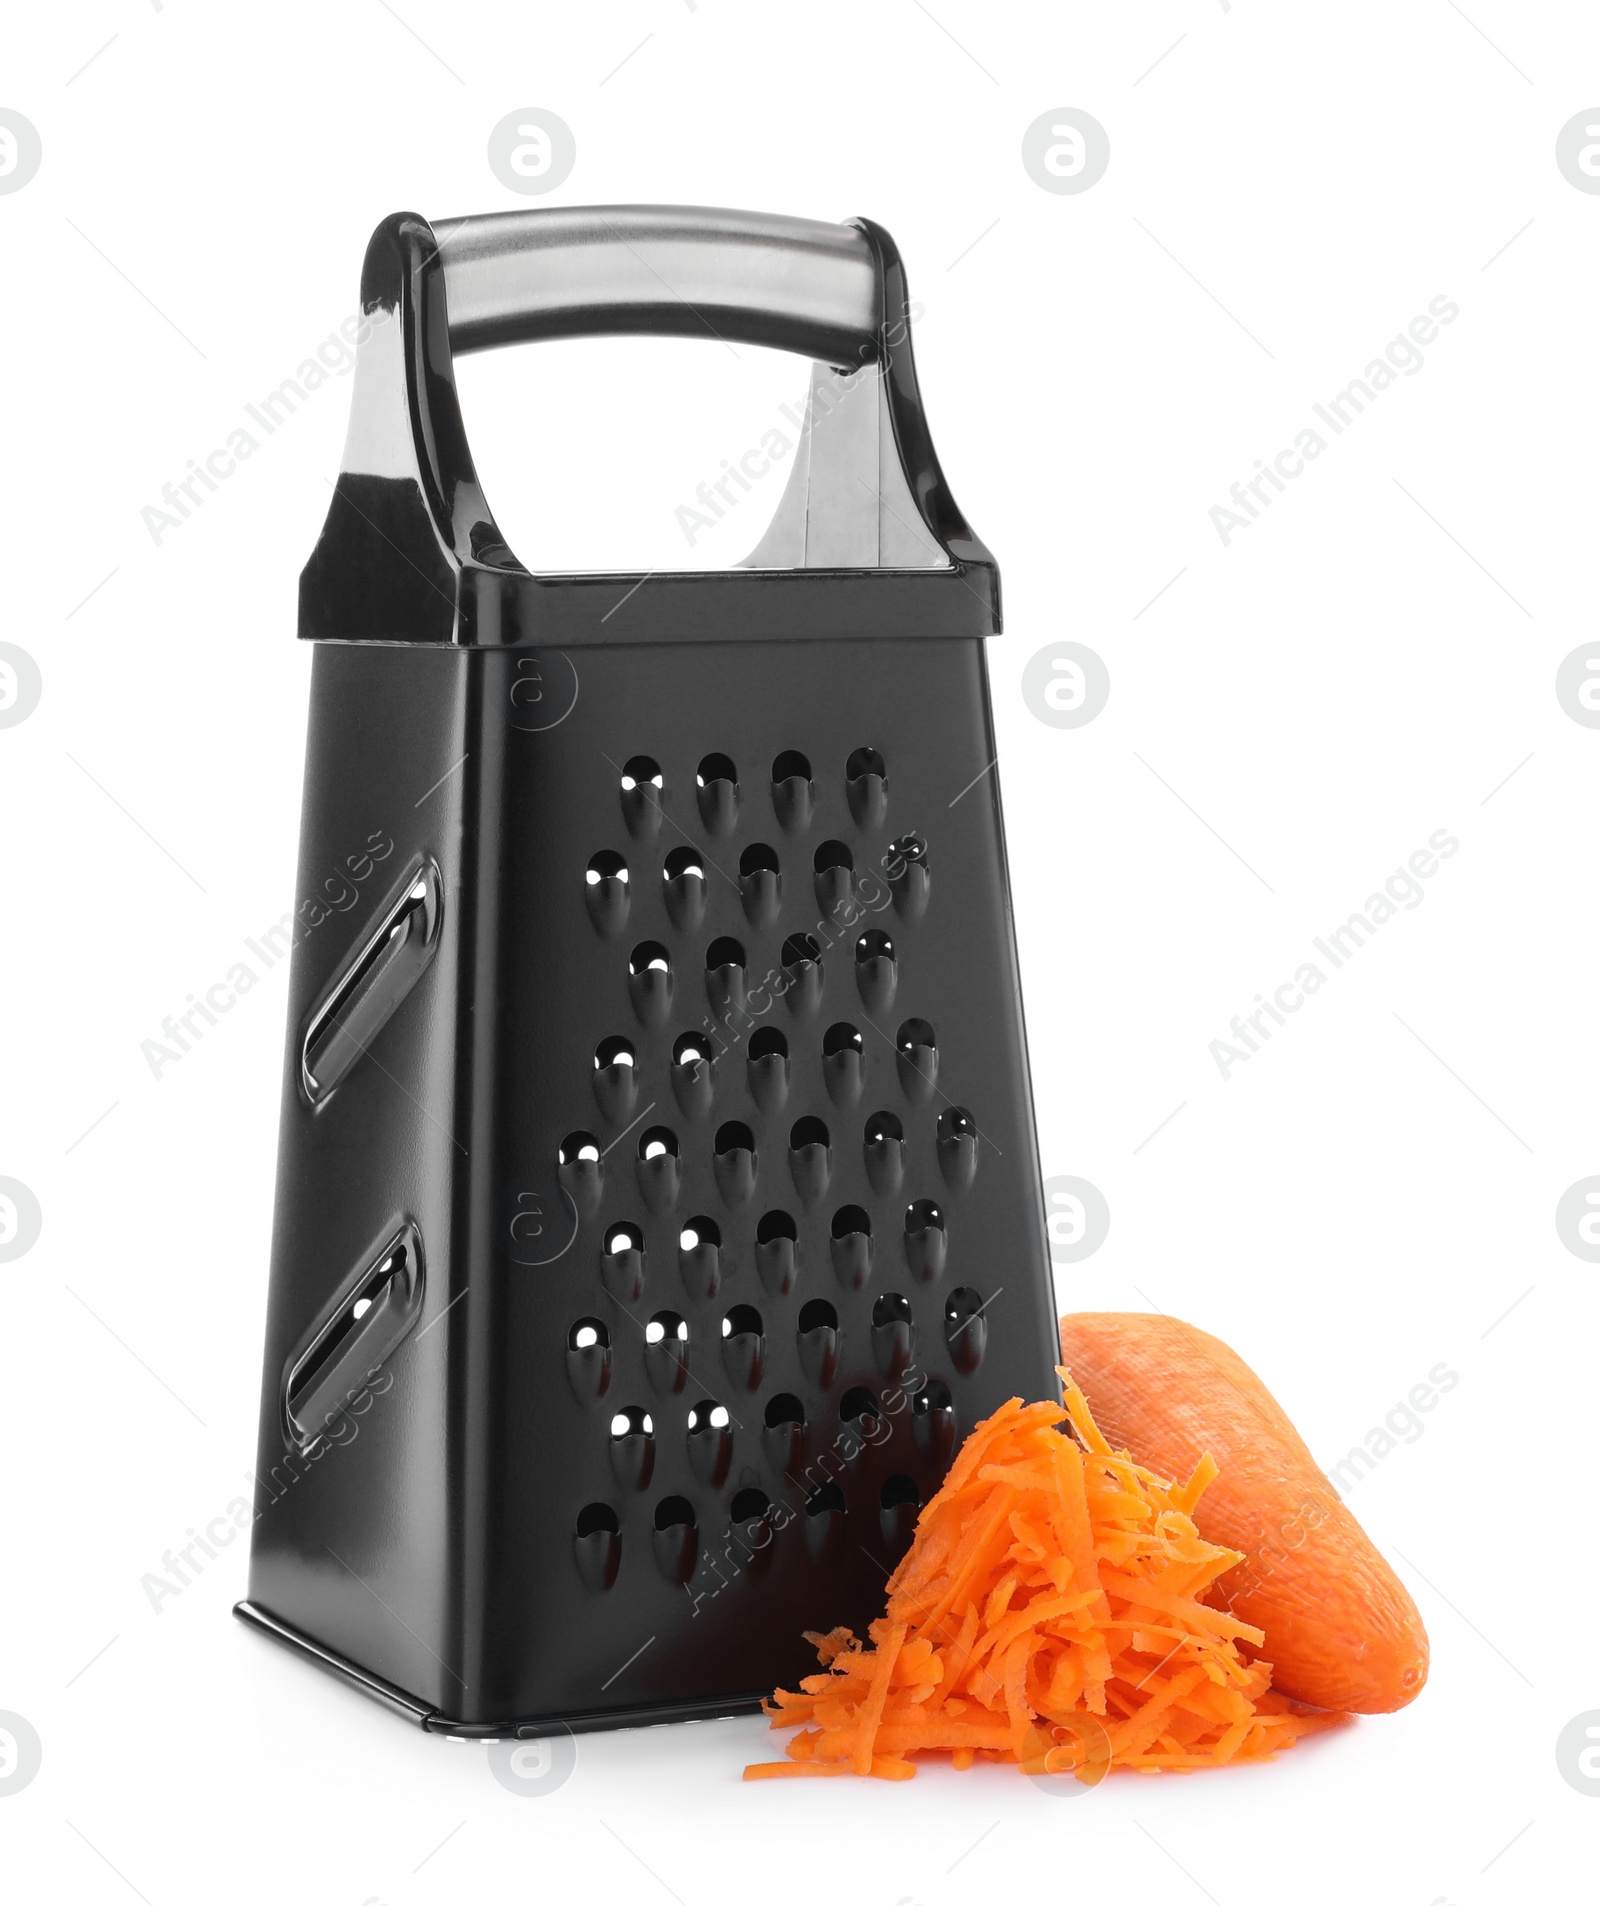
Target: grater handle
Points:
(680, 271)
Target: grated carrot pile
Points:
(1049, 1614)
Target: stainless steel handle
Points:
(681, 271)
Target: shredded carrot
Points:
(1050, 1615)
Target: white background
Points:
(1367, 1197)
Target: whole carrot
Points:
(1341, 1630)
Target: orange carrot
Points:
(1339, 1627)
(1050, 1615)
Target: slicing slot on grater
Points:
(367, 1324)
(383, 970)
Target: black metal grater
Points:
(658, 1199)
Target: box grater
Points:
(658, 1201)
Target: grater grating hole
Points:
(614, 1051)
(683, 888)
(849, 1219)
(966, 1329)
(606, 890)
(642, 784)
(622, 1263)
(631, 1421)
(735, 1162)
(876, 973)
(744, 1349)
(826, 1496)
(650, 982)
(893, 1337)
(833, 877)
(957, 1146)
(810, 1158)
(851, 1248)
(700, 1257)
(589, 1359)
(579, 1148)
(843, 1060)
(883, 1146)
(857, 1403)
(802, 964)
(715, 767)
(710, 1441)
(793, 791)
(657, 1170)
(899, 1503)
(817, 1340)
(640, 772)
(777, 1255)
(717, 793)
(767, 1069)
(760, 884)
(926, 1244)
(961, 1305)
(749, 1505)
(725, 974)
(916, 1058)
(693, 1057)
(666, 1327)
(784, 1409)
(867, 786)
(598, 1544)
(909, 851)
(933, 1397)
(676, 1539)
(907, 866)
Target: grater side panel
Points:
(644, 1616)
(357, 1542)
